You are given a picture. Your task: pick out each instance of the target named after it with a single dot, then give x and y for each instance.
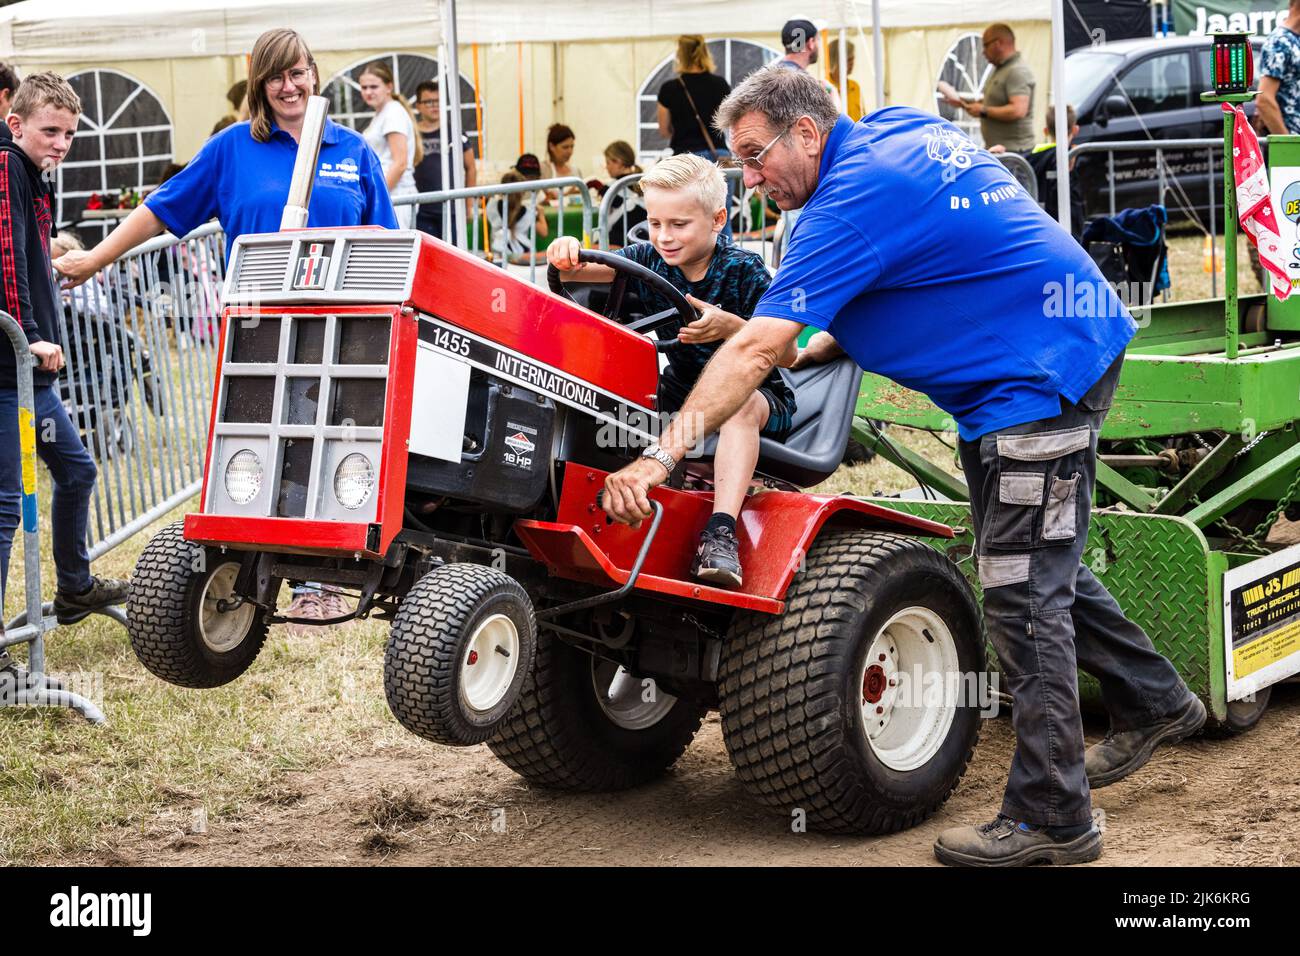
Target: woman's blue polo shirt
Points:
(245, 184)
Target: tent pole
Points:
(453, 100)
(878, 53)
(1062, 123)
(447, 233)
(519, 75)
(843, 70)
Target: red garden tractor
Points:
(403, 421)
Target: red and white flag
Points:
(1254, 206)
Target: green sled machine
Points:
(1199, 457)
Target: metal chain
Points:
(1255, 538)
(1253, 442)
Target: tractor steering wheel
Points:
(625, 269)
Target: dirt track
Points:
(1234, 802)
(1206, 802)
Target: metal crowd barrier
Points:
(487, 225)
(1019, 167)
(1213, 147)
(140, 341)
(34, 688)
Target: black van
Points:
(1149, 89)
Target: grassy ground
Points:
(1188, 276)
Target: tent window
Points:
(735, 60)
(124, 141)
(965, 67)
(409, 71)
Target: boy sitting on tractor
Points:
(685, 201)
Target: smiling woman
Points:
(241, 176)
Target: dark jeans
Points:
(73, 473)
(1046, 614)
(428, 218)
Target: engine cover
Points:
(507, 448)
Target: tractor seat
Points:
(825, 398)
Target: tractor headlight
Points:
(243, 476)
(354, 479)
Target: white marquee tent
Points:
(76, 34)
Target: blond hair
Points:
(693, 54)
(44, 89)
(384, 73)
(693, 174)
(65, 242)
(274, 52)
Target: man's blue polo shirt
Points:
(930, 265)
(245, 184)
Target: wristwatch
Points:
(661, 456)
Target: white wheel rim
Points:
(223, 631)
(488, 665)
(628, 701)
(909, 684)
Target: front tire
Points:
(860, 704)
(460, 649)
(175, 626)
(585, 724)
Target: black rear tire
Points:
(1243, 715)
(174, 627)
(561, 737)
(427, 676)
(795, 717)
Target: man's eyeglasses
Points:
(754, 162)
(297, 77)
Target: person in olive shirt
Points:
(1006, 110)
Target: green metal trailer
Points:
(1200, 455)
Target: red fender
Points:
(775, 530)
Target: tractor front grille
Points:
(379, 265)
(262, 268)
(326, 265)
(299, 393)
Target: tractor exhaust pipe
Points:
(304, 165)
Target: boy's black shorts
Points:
(673, 392)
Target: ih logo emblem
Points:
(313, 266)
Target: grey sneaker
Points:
(717, 560)
(1119, 754)
(70, 608)
(1006, 842)
(333, 604)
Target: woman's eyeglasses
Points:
(296, 76)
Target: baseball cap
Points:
(796, 33)
(529, 165)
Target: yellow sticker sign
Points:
(1273, 646)
(27, 445)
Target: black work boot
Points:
(1119, 754)
(717, 561)
(70, 608)
(1005, 842)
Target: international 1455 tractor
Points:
(400, 420)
